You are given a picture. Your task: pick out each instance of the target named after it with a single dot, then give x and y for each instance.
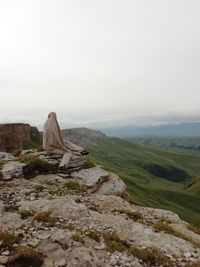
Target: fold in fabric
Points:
(65, 159)
(53, 141)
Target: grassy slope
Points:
(127, 159)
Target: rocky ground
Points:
(82, 216)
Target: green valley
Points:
(155, 177)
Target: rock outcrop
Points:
(78, 217)
(14, 135)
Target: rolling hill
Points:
(155, 177)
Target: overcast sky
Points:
(100, 62)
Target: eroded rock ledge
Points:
(79, 217)
(14, 135)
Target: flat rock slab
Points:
(12, 169)
(91, 177)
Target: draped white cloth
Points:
(53, 141)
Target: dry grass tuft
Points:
(132, 214)
(151, 256)
(114, 242)
(78, 237)
(8, 239)
(26, 257)
(44, 216)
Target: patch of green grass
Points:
(131, 160)
(8, 239)
(151, 256)
(26, 257)
(89, 162)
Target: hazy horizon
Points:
(100, 63)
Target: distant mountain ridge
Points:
(179, 129)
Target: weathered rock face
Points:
(13, 135)
(78, 219)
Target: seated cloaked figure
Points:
(53, 141)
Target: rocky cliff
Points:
(82, 216)
(14, 135)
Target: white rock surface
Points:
(12, 169)
(91, 177)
